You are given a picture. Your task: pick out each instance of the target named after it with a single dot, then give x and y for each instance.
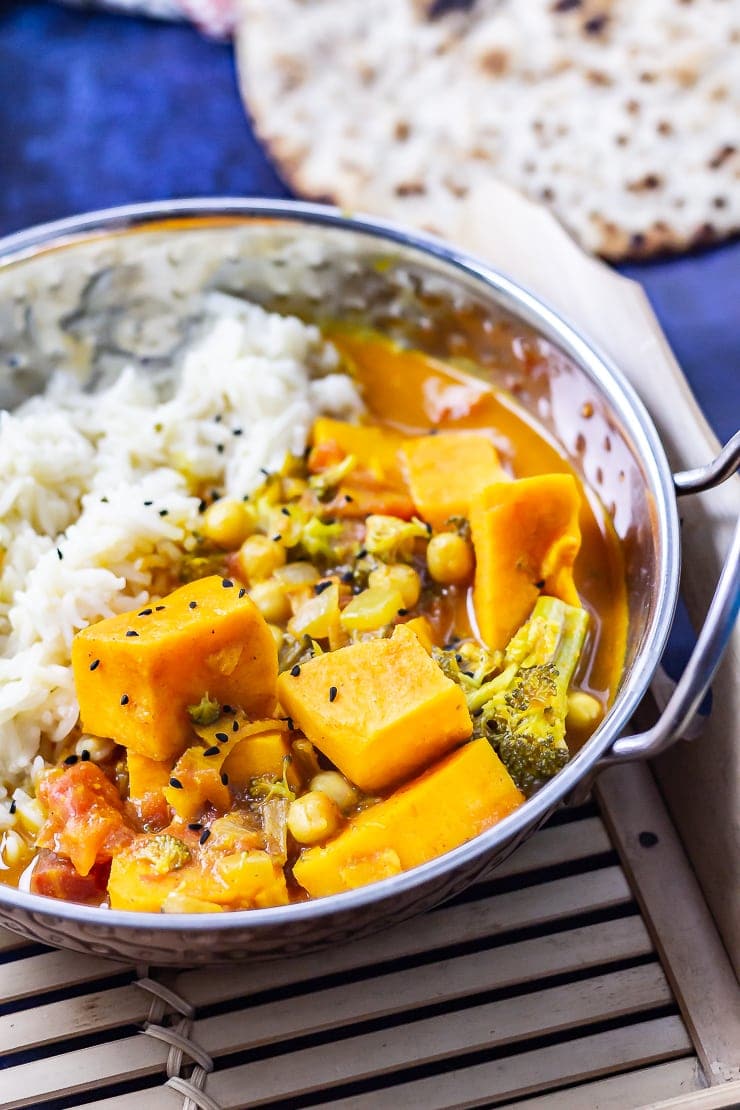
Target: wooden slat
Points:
(537, 905)
(86, 1069)
(566, 952)
(497, 1080)
(633, 1090)
(153, 1098)
(27, 978)
(11, 941)
(557, 845)
(714, 1098)
(73, 1017)
(419, 1042)
(693, 954)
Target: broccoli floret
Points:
(525, 707)
(205, 712)
(166, 853)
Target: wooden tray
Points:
(568, 981)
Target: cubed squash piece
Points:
(458, 798)
(376, 483)
(258, 757)
(147, 780)
(200, 777)
(379, 709)
(445, 471)
(137, 673)
(526, 538)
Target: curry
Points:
(375, 657)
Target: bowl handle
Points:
(714, 636)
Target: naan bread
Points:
(622, 115)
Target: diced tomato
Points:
(56, 877)
(85, 819)
(324, 455)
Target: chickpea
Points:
(259, 557)
(271, 599)
(313, 817)
(337, 788)
(228, 522)
(398, 576)
(450, 559)
(584, 710)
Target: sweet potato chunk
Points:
(467, 792)
(376, 483)
(136, 673)
(446, 471)
(526, 538)
(391, 711)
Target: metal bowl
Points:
(126, 286)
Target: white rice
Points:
(96, 497)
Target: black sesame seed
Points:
(277, 538)
(226, 583)
(290, 724)
(202, 506)
(458, 658)
(215, 495)
(13, 807)
(145, 613)
(196, 826)
(148, 503)
(234, 726)
(348, 500)
(362, 553)
(164, 512)
(321, 586)
(236, 432)
(227, 709)
(222, 736)
(242, 592)
(124, 699)
(220, 448)
(71, 760)
(204, 836)
(158, 608)
(85, 756)
(176, 783)
(295, 671)
(402, 612)
(95, 664)
(265, 472)
(212, 751)
(348, 577)
(224, 778)
(192, 605)
(218, 418)
(647, 839)
(285, 510)
(541, 584)
(131, 632)
(104, 500)
(59, 555)
(332, 693)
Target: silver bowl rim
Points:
(611, 384)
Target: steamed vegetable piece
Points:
(453, 801)
(137, 673)
(379, 709)
(526, 537)
(523, 709)
(447, 470)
